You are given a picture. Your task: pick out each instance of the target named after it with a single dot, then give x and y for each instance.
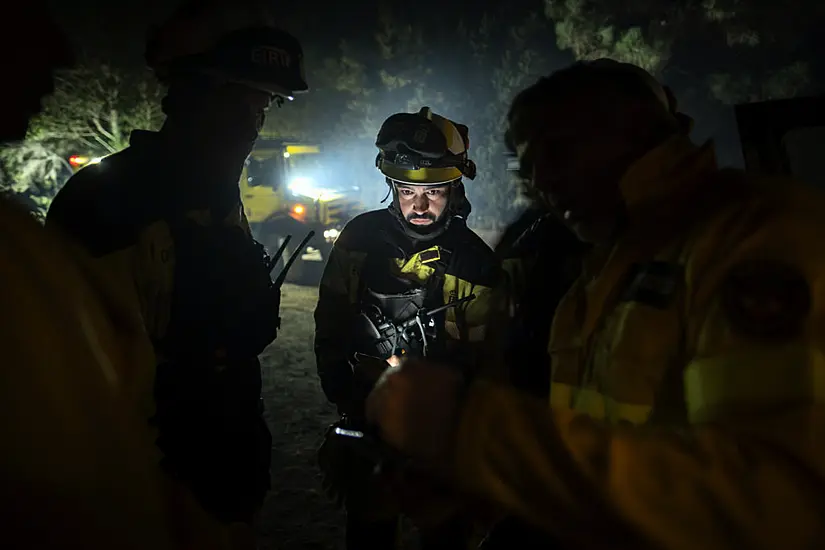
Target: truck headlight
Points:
(331, 234)
(303, 186)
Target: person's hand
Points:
(416, 407)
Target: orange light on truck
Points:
(77, 160)
(298, 209)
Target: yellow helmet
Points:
(235, 41)
(423, 149)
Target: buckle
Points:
(429, 256)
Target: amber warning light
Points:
(79, 160)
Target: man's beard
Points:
(424, 230)
(426, 216)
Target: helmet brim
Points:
(264, 86)
(422, 176)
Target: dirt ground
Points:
(297, 514)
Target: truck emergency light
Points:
(301, 150)
(298, 209)
(78, 160)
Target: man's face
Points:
(422, 205)
(572, 165)
(233, 115)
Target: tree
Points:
(467, 70)
(739, 51)
(503, 60)
(712, 53)
(92, 112)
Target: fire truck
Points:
(289, 188)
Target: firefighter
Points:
(541, 259)
(386, 267)
(77, 466)
(686, 401)
(165, 215)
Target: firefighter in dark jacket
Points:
(541, 259)
(165, 215)
(540, 265)
(388, 266)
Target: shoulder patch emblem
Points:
(766, 299)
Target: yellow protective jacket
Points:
(77, 465)
(688, 375)
(378, 237)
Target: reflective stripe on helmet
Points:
(422, 176)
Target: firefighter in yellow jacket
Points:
(686, 403)
(165, 215)
(387, 268)
(77, 465)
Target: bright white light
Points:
(306, 187)
(95, 160)
(331, 234)
(302, 186)
(286, 154)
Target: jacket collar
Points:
(673, 167)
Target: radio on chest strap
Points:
(393, 303)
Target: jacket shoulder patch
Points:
(766, 299)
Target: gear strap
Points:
(439, 260)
